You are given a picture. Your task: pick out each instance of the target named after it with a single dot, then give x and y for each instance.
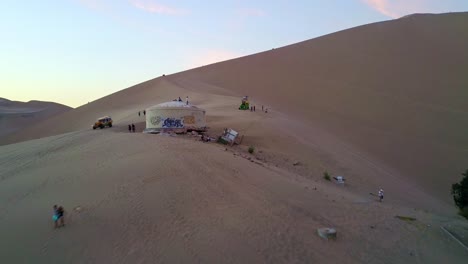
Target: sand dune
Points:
(146, 199)
(382, 104)
(15, 116)
(396, 90)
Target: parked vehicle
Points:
(103, 122)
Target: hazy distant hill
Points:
(15, 116)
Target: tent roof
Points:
(175, 104)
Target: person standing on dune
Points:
(133, 128)
(129, 128)
(381, 192)
(61, 215)
(138, 113)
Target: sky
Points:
(76, 51)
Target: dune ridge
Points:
(15, 116)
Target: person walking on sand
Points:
(133, 128)
(381, 195)
(61, 216)
(55, 217)
(58, 216)
(186, 102)
(138, 113)
(129, 128)
(144, 112)
(254, 108)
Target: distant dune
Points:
(16, 116)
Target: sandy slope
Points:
(15, 116)
(381, 104)
(148, 199)
(394, 90)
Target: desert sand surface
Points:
(16, 116)
(137, 198)
(382, 105)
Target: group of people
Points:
(131, 128)
(252, 109)
(144, 113)
(180, 100)
(58, 216)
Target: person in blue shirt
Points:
(58, 216)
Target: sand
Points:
(146, 198)
(334, 105)
(16, 116)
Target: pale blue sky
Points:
(75, 51)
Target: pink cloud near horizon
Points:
(397, 8)
(157, 8)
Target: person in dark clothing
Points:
(262, 108)
(129, 128)
(381, 195)
(254, 108)
(144, 112)
(138, 113)
(133, 128)
(180, 100)
(61, 213)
